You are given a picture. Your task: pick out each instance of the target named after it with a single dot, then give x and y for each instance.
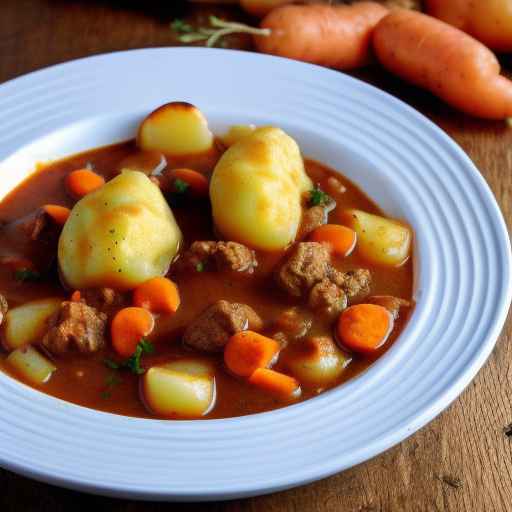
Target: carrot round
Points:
(276, 383)
(364, 327)
(128, 327)
(81, 182)
(340, 239)
(159, 295)
(196, 182)
(247, 350)
(451, 64)
(337, 36)
(58, 213)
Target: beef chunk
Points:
(311, 219)
(224, 256)
(327, 298)
(356, 282)
(307, 264)
(211, 330)
(392, 304)
(4, 307)
(40, 226)
(102, 298)
(294, 322)
(75, 326)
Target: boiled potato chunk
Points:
(175, 129)
(27, 323)
(119, 236)
(31, 365)
(256, 190)
(317, 362)
(380, 240)
(180, 388)
(237, 132)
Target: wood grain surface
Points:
(462, 460)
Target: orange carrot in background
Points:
(449, 63)
(340, 239)
(128, 327)
(364, 327)
(337, 36)
(59, 214)
(276, 383)
(159, 295)
(247, 350)
(76, 296)
(81, 182)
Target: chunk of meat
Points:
(211, 330)
(353, 282)
(327, 298)
(102, 298)
(306, 264)
(392, 304)
(224, 256)
(4, 307)
(40, 226)
(76, 326)
(312, 218)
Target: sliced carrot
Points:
(76, 296)
(364, 327)
(81, 182)
(340, 239)
(247, 351)
(128, 327)
(197, 182)
(275, 383)
(159, 295)
(59, 214)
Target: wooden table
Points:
(462, 460)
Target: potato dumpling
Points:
(317, 361)
(27, 323)
(256, 190)
(175, 129)
(237, 132)
(119, 236)
(31, 365)
(183, 388)
(379, 240)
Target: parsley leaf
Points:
(180, 186)
(26, 274)
(133, 363)
(200, 267)
(181, 27)
(318, 197)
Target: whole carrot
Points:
(337, 36)
(446, 61)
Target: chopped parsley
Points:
(132, 363)
(181, 186)
(111, 381)
(200, 267)
(318, 197)
(25, 274)
(181, 27)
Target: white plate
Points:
(411, 168)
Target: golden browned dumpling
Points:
(256, 190)
(118, 236)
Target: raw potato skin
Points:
(256, 190)
(119, 236)
(489, 21)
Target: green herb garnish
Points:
(200, 267)
(180, 26)
(181, 186)
(111, 381)
(318, 197)
(132, 363)
(25, 274)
